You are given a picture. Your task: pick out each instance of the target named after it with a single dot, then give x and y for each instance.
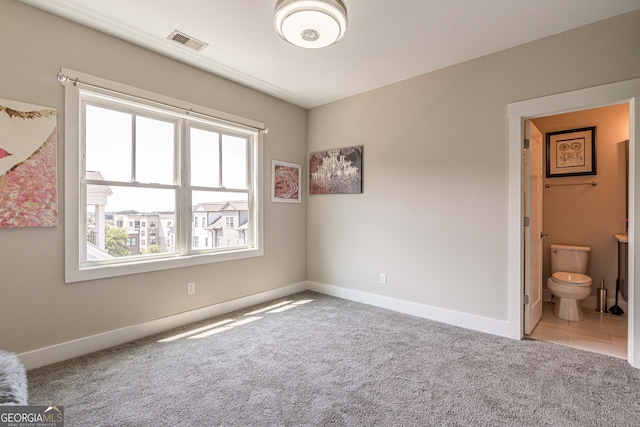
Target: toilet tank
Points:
(573, 259)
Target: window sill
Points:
(82, 274)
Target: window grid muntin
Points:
(181, 162)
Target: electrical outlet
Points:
(383, 278)
(191, 288)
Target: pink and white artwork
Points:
(285, 180)
(28, 165)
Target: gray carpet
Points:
(331, 362)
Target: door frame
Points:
(626, 92)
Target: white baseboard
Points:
(59, 352)
(456, 318)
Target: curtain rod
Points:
(64, 79)
(593, 184)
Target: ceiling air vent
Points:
(187, 41)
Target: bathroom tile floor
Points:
(598, 332)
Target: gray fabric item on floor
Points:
(13, 380)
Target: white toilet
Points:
(568, 281)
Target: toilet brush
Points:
(615, 309)
(601, 306)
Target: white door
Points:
(532, 182)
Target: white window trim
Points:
(74, 232)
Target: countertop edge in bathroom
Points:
(622, 237)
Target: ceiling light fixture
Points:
(311, 24)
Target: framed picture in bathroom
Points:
(571, 152)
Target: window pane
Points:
(154, 151)
(234, 162)
(123, 221)
(205, 158)
(223, 219)
(108, 143)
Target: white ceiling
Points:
(387, 41)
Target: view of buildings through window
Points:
(155, 232)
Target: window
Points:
(131, 155)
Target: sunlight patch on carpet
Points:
(290, 306)
(271, 307)
(228, 324)
(198, 330)
(225, 328)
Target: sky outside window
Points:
(109, 149)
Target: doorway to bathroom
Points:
(585, 209)
(589, 210)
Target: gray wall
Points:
(433, 214)
(37, 309)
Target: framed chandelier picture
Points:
(337, 171)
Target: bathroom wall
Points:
(584, 214)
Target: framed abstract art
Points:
(28, 165)
(285, 182)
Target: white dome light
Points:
(311, 24)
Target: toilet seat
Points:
(571, 279)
